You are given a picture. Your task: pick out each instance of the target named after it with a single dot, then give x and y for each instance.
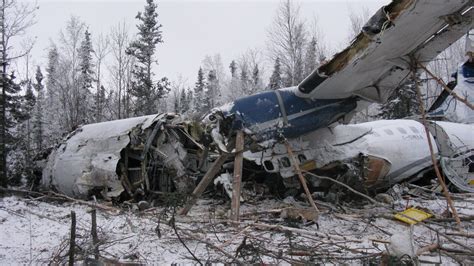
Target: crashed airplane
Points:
(161, 153)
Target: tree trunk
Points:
(3, 155)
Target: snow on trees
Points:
(145, 89)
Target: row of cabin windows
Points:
(284, 162)
(401, 130)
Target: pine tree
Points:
(401, 103)
(198, 95)
(144, 89)
(86, 78)
(52, 75)
(212, 91)
(183, 102)
(233, 69)
(55, 103)
(100, 103)
(189, 100)
(38, 112)
(18, 108)
(245, 82)
(15, 19)
(275, 80)
(256, 83)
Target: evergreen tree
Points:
(55, 105)
(233, 69)
(144, 89)
(15, 19)
(212, 91)
(86, 77)
(256, 77)
(245, 82)
(401, 103)
(198, 96)
(38, 113)
(52, 75)
(22, 154)
(275, 79)
(189, 100)
(18, 108)
(183, 102)
(100, 103)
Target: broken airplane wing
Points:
(382, 55)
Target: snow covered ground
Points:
(37, 231)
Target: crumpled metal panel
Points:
(88, 157)
(456, 145)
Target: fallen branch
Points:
(430, 144)
(296, 165)
(469, 249)
(211, 245)
(302, 232)
(173, 225)
(346, 186)
(61, 196)
(445, 87)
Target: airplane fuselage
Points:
(270, 114)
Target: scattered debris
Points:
(412, 216)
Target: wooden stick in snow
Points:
(237, 182)
(95, 239)
(72, 238)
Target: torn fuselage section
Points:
(272, 114)
(127, 157)
(371, 155)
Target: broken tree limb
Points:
(72, 238)
(302, 232)
(301, 177)
(445, 87)
(237, 181)
(346, 186)
(56, 195)
(468, 248)
(211, 245)
(206, 180)
(430, 145)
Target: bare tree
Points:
(215, 64)
(70, 41)
(251, 62)
(101, 50)
(120, 69)
(358, 20)
(15, 19)
(287, 40)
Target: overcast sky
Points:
(193, 29)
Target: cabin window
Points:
(401, 130)
(414, 130)
(285, 162)
(268, 165)
(388, 131)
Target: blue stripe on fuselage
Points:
(262, 113)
